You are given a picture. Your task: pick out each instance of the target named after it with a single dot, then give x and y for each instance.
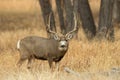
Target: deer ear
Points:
(70, 36)
(56, 37)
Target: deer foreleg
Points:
(57, 66)
(50, 60)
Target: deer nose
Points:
(63, 46)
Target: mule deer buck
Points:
(50, 49)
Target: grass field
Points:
(89, 59)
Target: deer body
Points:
(41, 48)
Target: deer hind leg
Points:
(29, 63)
(22, 59)
(30, 60)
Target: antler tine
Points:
(48, 25)
(75, 26)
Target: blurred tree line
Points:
(109, 12)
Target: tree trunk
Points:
(87, 19)
(46, 10)
(75, 6)
(69, 15)
(105, 28)
(60, 14)
(116, 11)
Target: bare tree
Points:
(105, 28)
(87, 19)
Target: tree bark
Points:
(69, 15)
(75, 6)
(87, 19)
(116, 11)
(60, 14)
(105, 28)
(46, 10)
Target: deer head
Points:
(63, 40)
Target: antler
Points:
(75, 26)
(48, 25)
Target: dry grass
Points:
(83, 56)
(19, 5)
